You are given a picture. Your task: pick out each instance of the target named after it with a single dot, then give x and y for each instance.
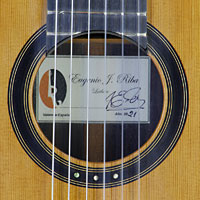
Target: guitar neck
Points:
(134, 20)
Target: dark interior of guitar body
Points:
(113, 130)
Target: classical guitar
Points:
(100, 99)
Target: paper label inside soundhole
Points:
(118, 92)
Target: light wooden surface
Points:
(177, 178)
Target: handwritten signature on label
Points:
(125, 100)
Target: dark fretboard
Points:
(134, 20)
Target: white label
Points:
(119, 91)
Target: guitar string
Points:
(122, 120)
(139, 188)
(88, 87)
(54, 99)
(54, 102)
(105, 88)
(70, 100)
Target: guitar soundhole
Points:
(96, 130)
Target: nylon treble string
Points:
(122, 120)
(105, 75)
(88, 87)
(138, 36)
(70, 99)
(54, 101)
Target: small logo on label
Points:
(47, 88)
